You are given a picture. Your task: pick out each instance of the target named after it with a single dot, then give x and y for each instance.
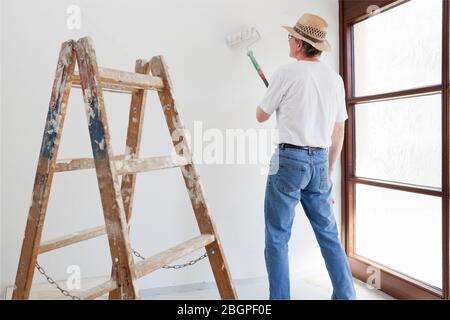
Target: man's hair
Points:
(309, 50)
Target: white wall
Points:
(213, 84)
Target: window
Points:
(400, 140)
(396, 159)
(401, 230)
(399, 49)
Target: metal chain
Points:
(177, 266)
(136, 253)
(55, 284)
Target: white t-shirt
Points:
(309, 98)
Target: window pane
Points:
(400, 140)
(399, 49)
(400, 230)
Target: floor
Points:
(313, 287)
(310, 288)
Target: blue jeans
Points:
(302, 175)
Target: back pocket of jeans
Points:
(288, 178)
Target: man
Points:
(309, 100)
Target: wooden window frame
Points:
(392, 282)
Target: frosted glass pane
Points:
(400, 230)
(400, 140)
(399, 49)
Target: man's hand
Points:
(330, 171)
(261, 116)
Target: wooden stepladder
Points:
(117, 200)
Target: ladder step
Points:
(99, 290)
(123, 165)
(161, 259)
(153, 263)
(64, 165)
(117, 80)
(150, 164)
(72, 239)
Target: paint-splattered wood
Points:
(124, 80)
(73, 238)
(192, 181)
(125, 166)
(115, 219)
(110, 88)
(133, 166)
(133, 143)
(99, 290)
(45, 171)
(64, 165)
(164, 258)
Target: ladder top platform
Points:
(123, 81)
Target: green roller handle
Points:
(257, 67)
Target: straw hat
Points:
(312, 29)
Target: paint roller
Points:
(250, 35)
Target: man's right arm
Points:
(272, 98)
(337, 141)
